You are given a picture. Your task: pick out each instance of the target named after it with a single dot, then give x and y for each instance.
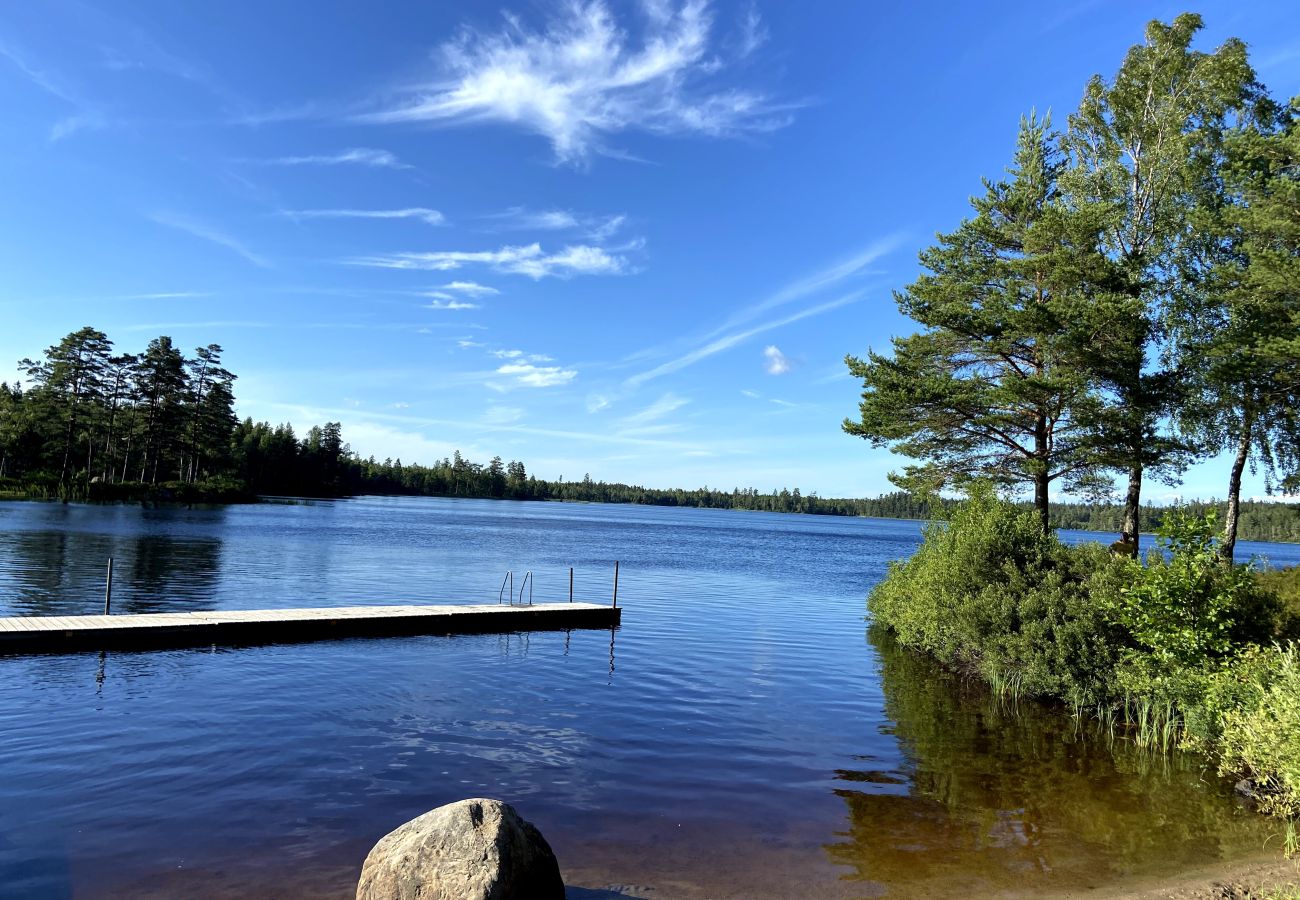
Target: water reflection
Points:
(994, 797)
(55, 561)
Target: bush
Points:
(988, 592)
(1172, 649)
(1261, 736)
(1186, 608)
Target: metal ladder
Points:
(510, 579)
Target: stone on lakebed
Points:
(470, 850)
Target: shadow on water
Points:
(993, 796)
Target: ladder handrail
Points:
(510, 576)
(528, 580)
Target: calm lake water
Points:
(741, 735)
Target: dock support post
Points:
(108, 587)
(616, 584)
(570, 584)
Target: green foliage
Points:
(1261, 739)
(989, 592)
(1171, 652)
(1188, 609)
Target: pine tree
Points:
(991, 388)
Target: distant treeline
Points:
(159, 424)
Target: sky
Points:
(631, 240)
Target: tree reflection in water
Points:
(997, 796)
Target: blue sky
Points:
(629, 239)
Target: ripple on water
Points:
(738, 736)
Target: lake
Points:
(741, 735)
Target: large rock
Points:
(470, 850)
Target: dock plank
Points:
(20, 634)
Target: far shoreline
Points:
(166, 498)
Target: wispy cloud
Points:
(423, 214)
(208, 233)
(166, 295)
(470, 288)
(521, 355)
(530, 260)
(447, 302)
(822, 280)
(529, 375)
(84, 121)
(356, 156)
(649, 420)
(584, 77)
(43, 79)
(730, 340)
(774, 361)
(87, 117)
(753, 33)
(857, 264)
(598, 228)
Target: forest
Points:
(87, 423)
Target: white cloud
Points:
(529, 375)
(774, 361)
(585, 77)
(428, 216)
(208, 233)
(470, 288)
(451, 303)
(519, 354)
(753, 395)
(357, 156)
(530, 260)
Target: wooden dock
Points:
(26, 634)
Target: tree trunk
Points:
(1229, 544)
(1132, 509)
(1040, 501)
(1042, 475)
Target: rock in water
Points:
(470, 850)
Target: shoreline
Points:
(1263, 876)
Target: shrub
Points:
(1188, 609)
(988, 592)
(1261, 736)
